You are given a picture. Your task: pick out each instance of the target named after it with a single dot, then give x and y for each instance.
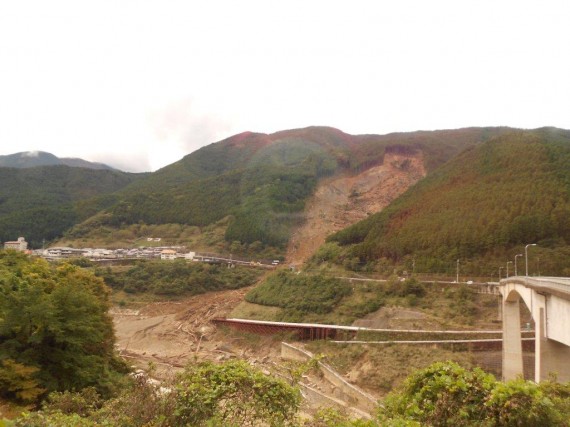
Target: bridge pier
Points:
(512, 340)
(548, 300)
(551, 357)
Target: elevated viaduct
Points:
(548, 300)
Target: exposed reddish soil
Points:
(341, 201)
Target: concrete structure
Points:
(18, 245)
(343, 389)
(548, 300)
(168, 254)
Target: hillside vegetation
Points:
(30, 159)
(482, 206)
(262, 182)
(42, 202)
(177, 277)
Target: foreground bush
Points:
(445, 394)
(205, 394)
(235, 394)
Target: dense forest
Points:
(485, 204)
(262, 182)
(40, 203)
(177, 277)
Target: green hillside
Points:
(42, 202)
(482, 207)
(31, 159)
(263, 181)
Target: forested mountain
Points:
(42, 202)
(30, 159)
(263, 181)
(485, 204)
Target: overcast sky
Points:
(139, 84)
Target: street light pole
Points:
(508, 262)
(457, 277)
(500, 269)
(518, 255)
(526, 256)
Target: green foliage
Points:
(330, 417)
(299, 294)
(523, 403)
(261, 181)
(179, 277)
(40, 203)
(139, 404)
(487, 202)
(205, 394)
(53, 419)
(442, 394)
(84, 402)
(234, 394)
(18, 381)
(54, 319)
(327, 252)
(446, 394)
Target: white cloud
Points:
(142, 83)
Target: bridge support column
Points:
(512, 345)
(551, 357)
(500, 308)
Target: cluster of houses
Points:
(164, 252)
(161, 252)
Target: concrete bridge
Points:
(548, 300)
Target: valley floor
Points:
(170, 334)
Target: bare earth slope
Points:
(340, 202)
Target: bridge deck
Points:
(558, 286)
(312, 331)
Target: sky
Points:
(138, 84)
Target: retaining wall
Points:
(344, 390)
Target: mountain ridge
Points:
(262, 181)
(30, 159)
(489, 201)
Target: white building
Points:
(168, 254)
(18, 245)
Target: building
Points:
(168, 254)
(18, 245)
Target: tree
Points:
(55, 319)
(445, 394)
(234, 394)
